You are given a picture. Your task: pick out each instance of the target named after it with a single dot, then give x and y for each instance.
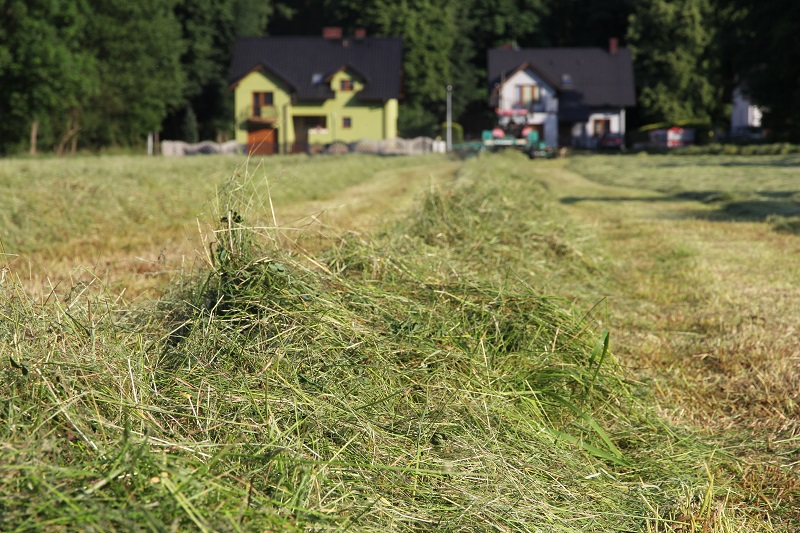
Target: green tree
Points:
(677, 60)
(250, 17)
(209, 29)
(138, 47)
(500, 22)
(432, 39)
(765, 52)
(581, 23)
(47, 76)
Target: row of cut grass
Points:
(419, 379)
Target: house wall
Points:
(390, 115)
(258, 81)
(368, 120)
(583, 132)
(744, 115)
(545, 112)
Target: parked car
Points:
(611, 141)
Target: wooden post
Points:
(34, 135)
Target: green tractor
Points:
(499, 139)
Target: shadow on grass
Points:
(767, 162)
(759, 208)
(753, 210)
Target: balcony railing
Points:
(545, 105)
(264, 114)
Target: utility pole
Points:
(449, 118)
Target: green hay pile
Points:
(415, 381)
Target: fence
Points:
(396, 146)
(180, 148)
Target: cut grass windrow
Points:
(422, 379)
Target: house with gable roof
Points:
(293, 93)
(571, 96)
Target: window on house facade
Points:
(346, 85)
(261, 100)
(347, 122)
(527, 94)
(602, 125)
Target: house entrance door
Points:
(301, 126)
(565, 134)
(262, 140)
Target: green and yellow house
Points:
(293, 94)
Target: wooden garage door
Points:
(261, 141)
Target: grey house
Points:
(571, 96)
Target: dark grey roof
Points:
(298, 61)
(598, 78)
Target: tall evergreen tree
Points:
(501, 22)
(430, 32)
(209, 29)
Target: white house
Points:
(745, 117)
(572, 96)
(527, 99)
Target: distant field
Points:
(740, 187)
(764, 174)
(67, 219)
(704, 254)
(602, 343)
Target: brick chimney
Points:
(613, 45)
(360, 33)
(332, 32)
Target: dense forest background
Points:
(92, 74)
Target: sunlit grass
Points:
(135, 222)
(481, 365)
(704, 301)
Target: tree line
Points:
(98, 73)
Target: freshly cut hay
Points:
(399, 383)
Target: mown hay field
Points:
(354, 343)
(133, 223)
